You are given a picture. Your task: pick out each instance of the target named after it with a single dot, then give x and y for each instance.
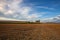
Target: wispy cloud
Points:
(52, 19)
(45, 7)
(12, 9)
(4, 18)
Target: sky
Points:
(30, 10)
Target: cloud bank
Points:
(55, 19)
(13, 9)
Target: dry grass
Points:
(29, 31)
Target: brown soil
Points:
(29, 31)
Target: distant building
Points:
(38, 21)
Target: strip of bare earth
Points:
(29, 31)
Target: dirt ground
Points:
(29, 31)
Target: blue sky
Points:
(30, 10)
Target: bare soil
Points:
(29, 31)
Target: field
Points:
(29, 31)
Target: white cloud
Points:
(1, 8)
(53, 19)
(9, 12)
(4, 18)
(33, 16)
(15, 9)
(47, 20)
(44, 7)
(9, 19)
(13, 5)
(25, 11)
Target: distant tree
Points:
(38, 21)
